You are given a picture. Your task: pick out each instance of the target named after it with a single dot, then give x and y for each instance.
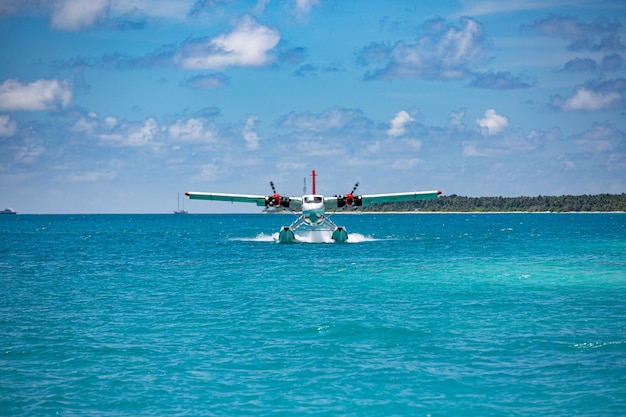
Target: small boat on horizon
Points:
(8, 211)
(178, 210)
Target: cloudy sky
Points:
(115, 106)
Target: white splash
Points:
(261, 237)
(310, 236)
(359, 238)
(315, 236)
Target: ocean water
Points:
(419, 315)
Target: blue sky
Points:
(114, 106)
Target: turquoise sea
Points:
(419, 315)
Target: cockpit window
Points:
(313, 199)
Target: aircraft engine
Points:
(272, 200)
(275, 200)
(350, 200)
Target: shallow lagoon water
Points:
(421, 314)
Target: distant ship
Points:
(179, 211)
(8, 211)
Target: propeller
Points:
(350, 200)
(275, 200)
(350, 196)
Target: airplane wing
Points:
(259, 200)
(366, 200)
(350, 200)
(294, 203)
(331, 203)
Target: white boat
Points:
(8, 211)
(178, 210)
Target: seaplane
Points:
(312, 209)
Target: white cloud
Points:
(191, 130)
(36, 96)
(399, 122)
(413, 144)
(208, 82)
(333, 118)
(75, 15)
(462, 46)
(406, 163)
(111, 122)
(90, 176)
(259, 8)
(599, 138)
(455, 120)
(86, 124)
(600, 34)
(144, 134)
(29, 153)
(130, 134)
(587, 100)
(471, 149)
(148, 132)
(516, 142)
(169, 9)
(303, 7)
(8, 126)
(208, 172)
(445, 52)
(474, 8)
(248, 45)
(492, 123)
(593, 96)
(78, 14)
(489, 150)
(250, 136)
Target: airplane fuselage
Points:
(313, 209)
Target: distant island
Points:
(558, 204)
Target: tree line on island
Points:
(559, 204)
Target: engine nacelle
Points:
(349, 200)
(276, 201)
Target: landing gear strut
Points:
(287, 233)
